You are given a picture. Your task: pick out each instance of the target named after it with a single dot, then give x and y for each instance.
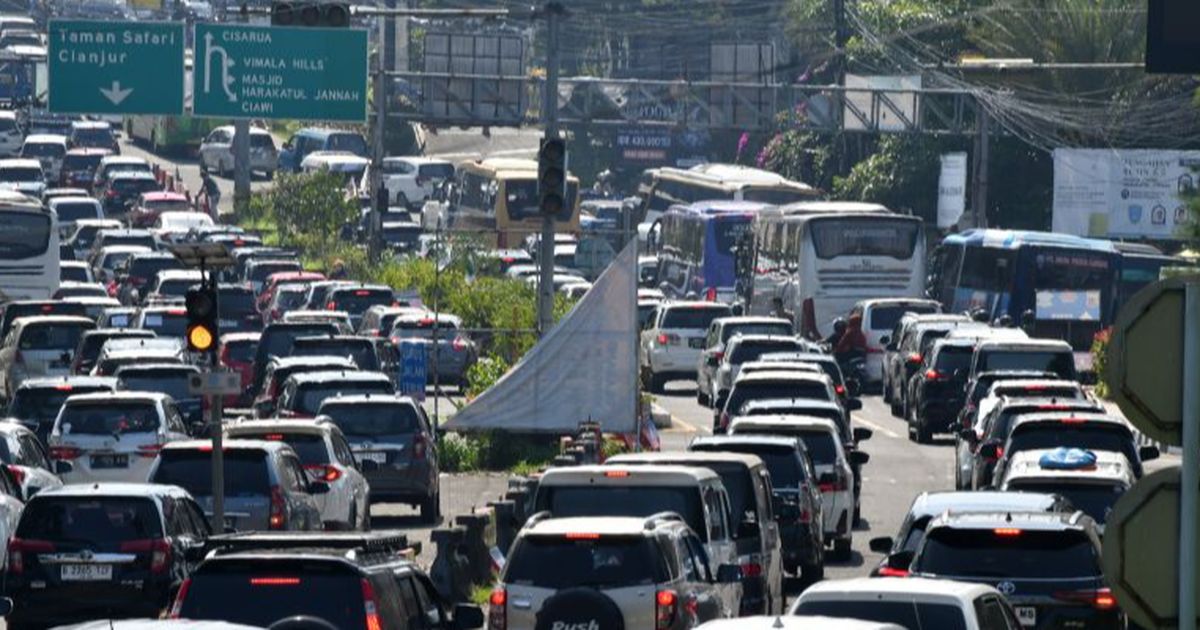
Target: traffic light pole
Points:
(214, 418)
(241, 159)
(554, 12)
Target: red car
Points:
(151, 204)
(274, 280)
(237, 354)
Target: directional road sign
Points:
(1141, 550)
(115, 67)
(1144, 370)
(414, 357)
(244, 71)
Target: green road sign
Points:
(272, 72)
(115, 67)
(1141, 550)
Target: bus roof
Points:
(720, 206)
(834, 207)
(731, 176)
(1016, 239)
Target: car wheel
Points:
(924, 435)
(431, 508)
(701, 397)
(841, 549)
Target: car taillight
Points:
(177, 606)
(277, 504)
(18, 474)
(751, 569)
(419, 447)
(17, 548)
(370, 607)
(999, 454)
(932, 375)
(724, 420)
(331, 306)
(666, 604)
(665, 339)
(498, 610)
(323, 472)
(914, 358)
(839, 485)
(890, 572)
(149, 450)
(840, 389)
(459, 344)
(65, 452)
(158, 548)
(1100, 599)
(711, 294)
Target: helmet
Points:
(839, 324)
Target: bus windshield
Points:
(23, 234)
(866, 236)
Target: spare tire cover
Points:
(580, 609)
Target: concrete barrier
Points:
(475, 546)
(506, 524)
(451, 569)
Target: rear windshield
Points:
(820, 445)
(909, 615)
(362, 352)
(310, 447)
(134, 186)
(96, 521)
(692, 318)
(236, 301)
(77, 162)
(92, 138)
(261, 141)
(44, 403)
(886, 317)
(755, 329)
(310, 399)
(784, 465)
(370, 421)
(148, 267)
(262, 271)
(278, 341)
(555, 562)
(173, 383)
(241, 351)
(76, 211)
(1060, 362)
(758, 391)
(985, 553)
(73, 274)
(245, 472)
(640, 500)
(56, 336)
(43, 149)
(1039, 391)
(124, 239)
(351, 142)
(168, 205)
(169, 324)
(954, 360)
(357, 302)
(752, 350)
(422, 329)
(279, 589)
(176, 287)
(1088, 437)
(21, 174)
(1095, 499)
(113, 418)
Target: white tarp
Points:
(586, 367)
(1122, 193)
(952, 189)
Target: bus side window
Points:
(946, 277)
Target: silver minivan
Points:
(42, 345)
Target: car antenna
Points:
(778, 622)
(1008, 517)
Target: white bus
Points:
(29, 255)
(812, 262)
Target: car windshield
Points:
(743, 392)
(560, 562)
(76, 210)
(1095, 499)
(108, 418)
(755, 329)
(88, 520)
(692, 317)
(311, 397)
(640, 500)
(245, 472)
(325, 589)
(278, 342)
(44, 403)
(1007, 553)
(1061, 363)
(908, 615)
(173, 383)
(359, 420)
(53, 336)
(21, 174)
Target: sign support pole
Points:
(1189, 491)
(241, 156)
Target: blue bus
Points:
(696, 244)
(1069, 285)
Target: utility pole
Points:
(241, 152)
(841, 35)
(553, 11)
(979, 174)
(379, 198)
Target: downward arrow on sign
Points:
(115, 94)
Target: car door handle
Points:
(522, 604)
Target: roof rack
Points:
(390, 542)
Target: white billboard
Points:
(1123, 193)
(952, 190)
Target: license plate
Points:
(228, 323)
(110, 461)
(697, 342)
(374, 456)
(1027, 615)
(86, 572)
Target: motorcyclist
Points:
(839, 329)
(853, 344)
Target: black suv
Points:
(276, 341)
(935, 392)
(982, 449)
(102, 550)
(350, 580)
(1046, 564)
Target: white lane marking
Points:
(878, 429)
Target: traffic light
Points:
(202, 329)
(552, 177)
(310, 13)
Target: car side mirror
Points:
(853, 404)
(882, 544)
(862, 435)
(63, 468)
(6, 606)
(368, 465)
(1147, 453)
(858, 458)
(468, 617)
(712, 360)
(748, 529)
(990, 450)
(318, 487)
(729, 574)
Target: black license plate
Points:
(697, 342)
(110, 461)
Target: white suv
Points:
(910, 603)
(410, 181)
(11, 137)
(112, 436)
(603, 572)
(674, 340)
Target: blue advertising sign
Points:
(413, 369)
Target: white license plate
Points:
(375, 456)
(1027, 615)
(86, 572)
(228, 323)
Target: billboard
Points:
(1123, 193)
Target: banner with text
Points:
(952, 190)
(1123, 193)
